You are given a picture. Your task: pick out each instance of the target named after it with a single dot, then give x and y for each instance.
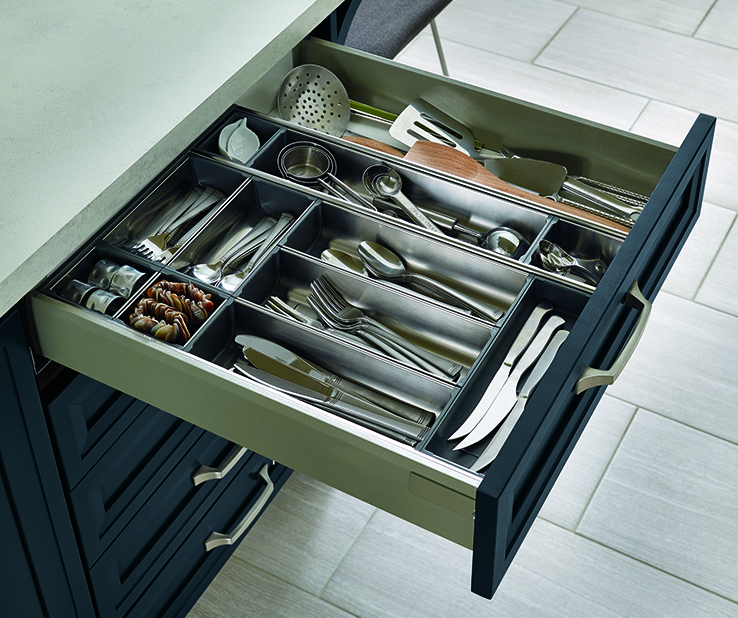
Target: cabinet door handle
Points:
(206, 473)
(217, 538)
(591, 377)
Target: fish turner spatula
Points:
(422, 121)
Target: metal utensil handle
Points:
(631, 197)
(189, 199)
(206, 201)
(596, 210)
(430, 362)
(600, 198)
(401, 353)
(412, 211)
(206, 473)
(456, 296)
(255, 232)
(357, 196)
(591, 377)
(216, 539)
(244, 252)
(285, 220)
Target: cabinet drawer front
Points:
(430, 483)
(87, 417)
(122, 482)
(524, 473)
(148, 565)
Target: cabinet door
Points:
(40, 571)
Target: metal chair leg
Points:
(439, 49)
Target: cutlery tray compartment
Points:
(218, 346)
(328, 226)
(209, 141)
(144, 216)
(474, 209)
(81, 268)
(567, 303)
(448, 334)
(255, 200)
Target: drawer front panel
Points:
(522, 476)
(132, 470)
(86, 419)
(146, 565)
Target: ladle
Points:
(210, 273)
(384, 181)
(385, 264)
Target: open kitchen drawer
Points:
(423, 480)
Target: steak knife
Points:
(525, 336)
(493, 448)
(282, 354)
(508, 395)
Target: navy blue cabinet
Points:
(108, 504)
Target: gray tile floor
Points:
(644, 519)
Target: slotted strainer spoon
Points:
(313, 97)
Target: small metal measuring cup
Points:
(308, 163)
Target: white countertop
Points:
(98, 97)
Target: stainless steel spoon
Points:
(385, 264)
(344, 260)
(210, 273)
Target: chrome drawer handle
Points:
(591, 377)
(206, 473)
(216, 538)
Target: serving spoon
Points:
(386, 264)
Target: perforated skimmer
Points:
(313, 97)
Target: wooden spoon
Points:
(451, 161)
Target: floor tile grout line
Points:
(675, 420)
(555, 34)
(702, 21)
(348, 551)
(641, 561)
(605, 469)
(714, 259)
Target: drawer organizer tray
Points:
(428, 478)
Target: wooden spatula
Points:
(452, 161)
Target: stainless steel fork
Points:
(156, 247)
(348, 317)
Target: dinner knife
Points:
(291, 374)
(493, 448)
(269, 348)
(508, 394)
(525, 336)
(409, 433)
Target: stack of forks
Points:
(348, 322)
(159, 246)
